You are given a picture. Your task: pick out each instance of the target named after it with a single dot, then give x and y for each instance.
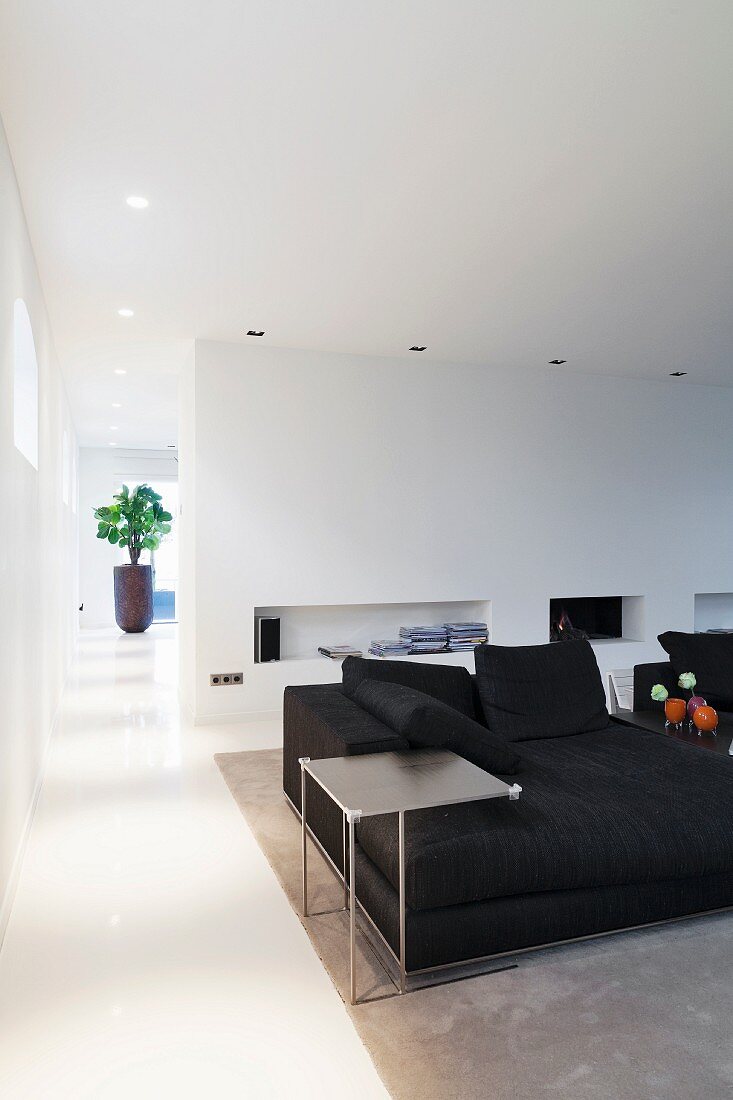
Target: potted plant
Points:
(138, 521)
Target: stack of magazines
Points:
(336, 652)
(397, 648)
(425, 639)
(462, 636)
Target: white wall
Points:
(101, 470)
(325, 479)
(187, 536)
(38, 593)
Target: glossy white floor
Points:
(150, 951)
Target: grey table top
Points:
(413, 779)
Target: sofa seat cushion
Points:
(446, 683)
(427, 723)
(709, 657)
(617, 806)
(530, 691)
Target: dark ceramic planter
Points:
(133, 597)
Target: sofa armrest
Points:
(646, 676)
(319, 721)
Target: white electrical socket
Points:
(226, 679)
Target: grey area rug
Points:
(644, 1015)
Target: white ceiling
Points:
(504, 181)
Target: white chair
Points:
(621, 693)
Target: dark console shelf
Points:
(720, 742)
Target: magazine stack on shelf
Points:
(425, 639)
(463, 636)
(338, 652)
(395, 648)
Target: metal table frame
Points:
(350, 819)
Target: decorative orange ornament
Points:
(706, 719)
(675, 711)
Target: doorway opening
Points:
(164, 560)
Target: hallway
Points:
(150, 951)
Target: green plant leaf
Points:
(136, 518)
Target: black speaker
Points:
(267, 638)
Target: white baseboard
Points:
(238, 716)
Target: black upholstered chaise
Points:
(616, 827)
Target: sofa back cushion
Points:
(536, 691)
(709, 657)
(426, 723)
(446, 683)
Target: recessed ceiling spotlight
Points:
(113, 444)
(116, 405)
(126, 312)
(253, 332)
(119, 370)
(113, 428)
(678, 374)
(137, 202)
(557, 362)
(415, 347)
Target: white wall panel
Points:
(334, 479)
(38, 594)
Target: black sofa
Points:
(616, 827)
(708, 656)
(646, 676)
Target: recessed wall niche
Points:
(599, 618)
(713, 611)
(303, 628)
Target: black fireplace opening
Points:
(593, 617)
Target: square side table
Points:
(390, 782)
